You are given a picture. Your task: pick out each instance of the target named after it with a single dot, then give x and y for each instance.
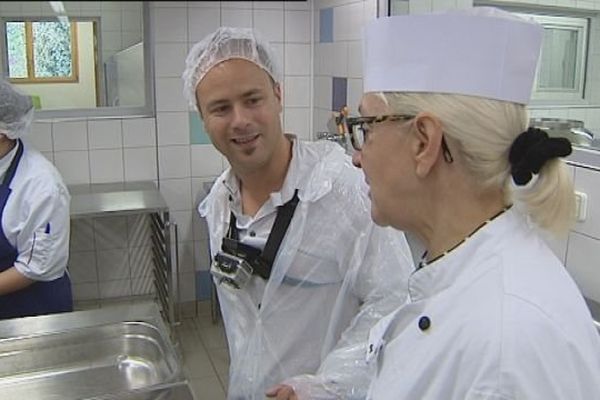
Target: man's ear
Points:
(429, 136)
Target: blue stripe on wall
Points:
(197, 133)
(339, 95)
(203, 283)
(326, 25)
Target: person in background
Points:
(301, 272)
(444, 144)
(34, 210)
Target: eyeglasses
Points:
(359, 127)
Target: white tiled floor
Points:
(202, 346)
(204, 353)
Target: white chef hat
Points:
(480, 51)
(224, 44)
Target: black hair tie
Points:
(530, 151)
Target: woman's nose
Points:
(356, 158)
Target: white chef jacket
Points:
(36, 216)
(500, 319)
(335, 274)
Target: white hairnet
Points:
(222, 45)
(16, 111)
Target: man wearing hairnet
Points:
(34, 213)
(301, 271)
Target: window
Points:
(561, 71)
(41, 51)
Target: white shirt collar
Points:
(291, 183)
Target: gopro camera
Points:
(231, 270)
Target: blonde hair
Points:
(482, 132)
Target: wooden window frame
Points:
(74, 78)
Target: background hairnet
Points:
(16, 111)
(222, 45)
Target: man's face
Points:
(240, 106)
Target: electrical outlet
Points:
(581, 206)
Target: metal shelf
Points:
(134, 198)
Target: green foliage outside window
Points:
(40, 50)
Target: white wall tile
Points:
(106, 166)
(140, 261)
(70, 135)
(203, 4)
(278, 54)
(186, 257)
(355, 91)
(112, 264)
(40, 136)
(241, 18)
(583, 263)
(111, 21)
(183, 219)
(237, 4)
(73, 166)
(169, 95)
(85, 291)
(346, 22)
(297, 91)
(323, 61)
(340, 55)
(277, 5)
(297, 26)
(140, 164)
(173, 128)
(105, 134)
(201, 255)
(177, 193)
(206, 161)
(110, 232)
(169, 59)
(187, 287)
(82, 235)
(297, 59)
(82, 267)
(174, 162)
(270, 24)
(297, 121)
(298, 5)
(323, 92)
(321, 119)
(118, 288)
(139, 132)
(202, 21)
(170, 25)
(558, 245)
(355, 59)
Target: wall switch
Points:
(581, 206)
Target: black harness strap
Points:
(262, 262)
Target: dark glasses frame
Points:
(362, 122)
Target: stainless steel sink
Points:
(92, 359)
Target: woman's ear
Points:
(429, 136)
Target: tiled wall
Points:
(121, 24)
(318, 45)
(170, 149)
